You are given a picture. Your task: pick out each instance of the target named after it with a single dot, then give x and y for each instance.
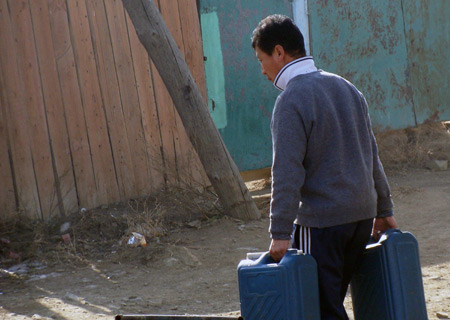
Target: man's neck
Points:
(295, 67)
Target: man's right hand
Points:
(380, 225)
(278, 249)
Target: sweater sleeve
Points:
(385, 204)
(288, 174)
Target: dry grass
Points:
(101, 230)
(401, 150)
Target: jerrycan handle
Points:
(386, 234)
(266, 258)
(391, 231)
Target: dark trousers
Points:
(338, 251)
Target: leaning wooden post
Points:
(219, 166)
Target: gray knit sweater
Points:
(325, 170)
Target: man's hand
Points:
(278, 248)
(380, 225)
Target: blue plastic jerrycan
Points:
(287, 290)
(388, 284)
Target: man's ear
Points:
(278, 52)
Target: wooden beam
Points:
(219, 166)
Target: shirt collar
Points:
(292, 69)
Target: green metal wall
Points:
(242, 98)
(427, 31)
(394, 51)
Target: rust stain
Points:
(323, 3)
(434, 117)
(403, 91)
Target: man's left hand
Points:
(278, 249)
(380, 225)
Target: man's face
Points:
(270, 64)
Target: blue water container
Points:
(279, 291)
(388, 284)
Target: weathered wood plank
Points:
(104, 171)
(129, 94)
(220, 167)
(169, 11)
(166, 124)
(148, 107)
(109, 84)
(34, 116)
(14, 111)
(73, 105)
(188, 165)
(192, 40)
(7, 194)
(193, 55)
(54, 109)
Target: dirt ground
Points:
(189, 263)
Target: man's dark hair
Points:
(278, 29)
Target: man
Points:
(326, 174)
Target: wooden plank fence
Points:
(85, 119)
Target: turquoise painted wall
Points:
(394, 51)
(242, 97)
(427, 31)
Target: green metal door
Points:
(240, 98)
